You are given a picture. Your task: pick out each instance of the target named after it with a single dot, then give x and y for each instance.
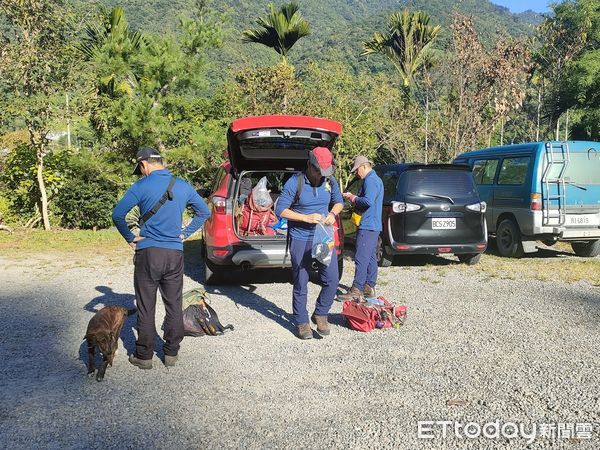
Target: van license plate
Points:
(582, 220)
(443, 224)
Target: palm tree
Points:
(406, 44)
(280, 29)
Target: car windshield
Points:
(433, 183)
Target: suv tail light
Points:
(477, 207)
(219, 204)
(536, 202)
(400, 207)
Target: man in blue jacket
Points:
(158, 261)
(368, 203)
(320, 200)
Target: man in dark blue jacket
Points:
(320, 200)
(368, 204)
(158, 250)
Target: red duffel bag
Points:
(365, 316)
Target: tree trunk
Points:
(502, 131)
(567, 126)
(42, 186)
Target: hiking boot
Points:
(141, 363)
(353, 293)
(170, 360)
(322, 325)
(369, 291)
(305, 331)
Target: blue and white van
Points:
(548, 191)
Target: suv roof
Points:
(401, 167)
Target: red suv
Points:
(275, 147)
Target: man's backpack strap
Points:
(168, 195)
(300, 181)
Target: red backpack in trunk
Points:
(256, 220)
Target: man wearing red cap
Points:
(319, 200)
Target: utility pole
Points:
(539, 107)
(68, 123)
(426, 127)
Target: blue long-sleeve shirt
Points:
(369, 202)
(313, 199)
(163, 228)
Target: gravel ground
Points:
(474, 349)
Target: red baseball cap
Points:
(322, 159)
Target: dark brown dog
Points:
(103, 331)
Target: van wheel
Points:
(587, 249)
(469, 258)
(383, 258)
(508, 239)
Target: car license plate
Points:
(443, 224)
(575, 220)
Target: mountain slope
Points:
(338, 26)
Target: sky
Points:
(517, 6)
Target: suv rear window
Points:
(583, 168)
(451, 183)
(390, 181)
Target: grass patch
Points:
(569, 269)
(27, 242)
(79, 246)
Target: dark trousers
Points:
(300, 255)
(365, 259)
(158, 268)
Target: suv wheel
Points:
(587, 249)
(508, 239)
(383, 258)
(469, 258)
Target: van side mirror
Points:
(202, 192)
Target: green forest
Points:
(84, 84)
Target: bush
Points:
(18, 180)
(87, 198)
